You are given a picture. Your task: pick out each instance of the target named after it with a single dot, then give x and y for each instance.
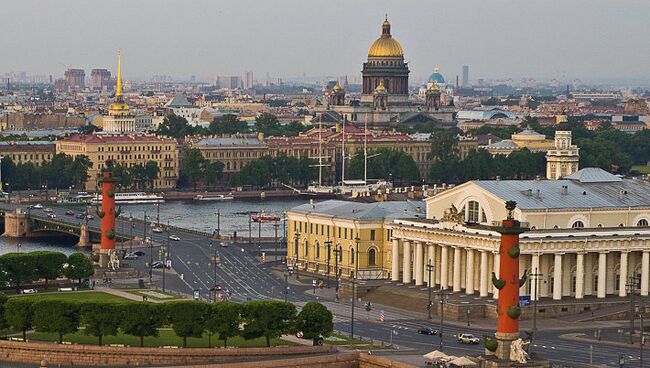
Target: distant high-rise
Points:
(465, 82)
(226, 81)
(75, 79)
(248, 79)
(100, 79)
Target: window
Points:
(372, 234)
(351, 256)
(317, 250)
(642, 222)
(306, 248)
(578, 224)
(340, 254)
(372, 257)
(472, 211)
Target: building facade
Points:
(100, 79)
(348, 235)
(234, 151)
(21, 152)
(127, 150)
(75, 79)
(588, 235)
(563, 159)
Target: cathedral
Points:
(385, 99)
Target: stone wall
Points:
(91, 355)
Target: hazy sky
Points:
(584, 39)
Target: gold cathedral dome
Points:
(385, 45)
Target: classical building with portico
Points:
(589, 236)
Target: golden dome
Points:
(386, 45)
(337, 87)
(433, 88)
(118, 108)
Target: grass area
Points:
(89, 296)
(643, 169)
(154, 294)
(339, 339)
(167, 337)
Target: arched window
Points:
(351, 256)
(472, 212)
(642, 222)
(340, 254)
(295, 247)
(372, 257)
(578, 224)
(317, 250)
(306, 248)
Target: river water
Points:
(201, 216)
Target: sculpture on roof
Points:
(451, 214)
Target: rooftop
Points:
(117, 138)
(363, 211)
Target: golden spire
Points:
(118, 88)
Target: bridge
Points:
(31, 224)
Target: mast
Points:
(320, 152)
(365, 150)
(343, 155)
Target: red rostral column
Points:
(508, 283)
(107, 213)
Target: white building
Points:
(588, 234)
(180, 106)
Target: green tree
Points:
(151, 172)
(224, 320)
(49, 265)
(78, 267)
(88, 129)
(3, 318)
(19, 313)
(175, 126)
(57, 316)
(213, 172)
(386, 163)
(19, 268)
(141, 319)
(267, 123)
(228, 124)
(267, 318)
(193, 165)
(315, 320)
(187, 318)
(101, 319)
(444, 145)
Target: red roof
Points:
(115, 138)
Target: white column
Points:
(395, 261)
(419, 256)
(602, 274)
(580, 275)
(469, 273)
(444, 261)
(406, 269)
(430, 259)
(456, 270)
(496, 268)
(645, 272)
(622, 280)
(534, 268)
(557, 277)
(589, 274)
(483, 283)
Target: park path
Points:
(126, 295)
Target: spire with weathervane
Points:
(119, 108)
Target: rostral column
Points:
(107, 214)
(508, 284)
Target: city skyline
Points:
(503, 39)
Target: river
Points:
(201, 216)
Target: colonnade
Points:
(553, 274)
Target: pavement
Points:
(240, 275)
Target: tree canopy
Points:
(228, 124)
(314, 321)
(267, 318)
(62, 171)
(385, 163)
(178, 127)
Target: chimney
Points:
(539, 194)
(529, 193)
(564, 190)
(498, 177)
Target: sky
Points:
(543, 39)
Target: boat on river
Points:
(265, 217)
(214, 197)
(133, 198)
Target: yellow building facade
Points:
(330, 235)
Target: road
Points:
(243, 274)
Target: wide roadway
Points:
(243, 274)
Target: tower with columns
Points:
(107, 214)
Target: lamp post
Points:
(295, 266)
(275, 241)
(157, 214)
(443, 296)
(535, 276)
(165, 258)
(468, 313)
(250, 229)
(429, 270)
(286, 283)
(132, 226)
(328, 243)
(354, 278)
(631, 289)
(218, 223)
(337, 251)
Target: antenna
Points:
(365, 150)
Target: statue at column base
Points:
(504, 340)
(518, 351)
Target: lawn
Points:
(338, 339)
(87, 296)
(167, 337)
(153, 294)
(643, 169)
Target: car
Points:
(51, 215)
(131, 256)
(90, 217)
(427, 331)
(157, 264)
(223, 244)
(38, 206)
(138, 253)
(48, 210)
(174, 238)
(80, 216)
(69, 213)
(466, 338)
(156, 230)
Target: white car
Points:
(156, 230)
(465, 338)
(38, 205)
(48, 210)
(131, 256)
(51, 215)
(174, 237)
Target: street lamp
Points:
(354, 277)
(337, 251)
(275, 241)
(429, 270)
(468, 313)
(297, 248)
(328, 243)
(631, 289)
(443, 296)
